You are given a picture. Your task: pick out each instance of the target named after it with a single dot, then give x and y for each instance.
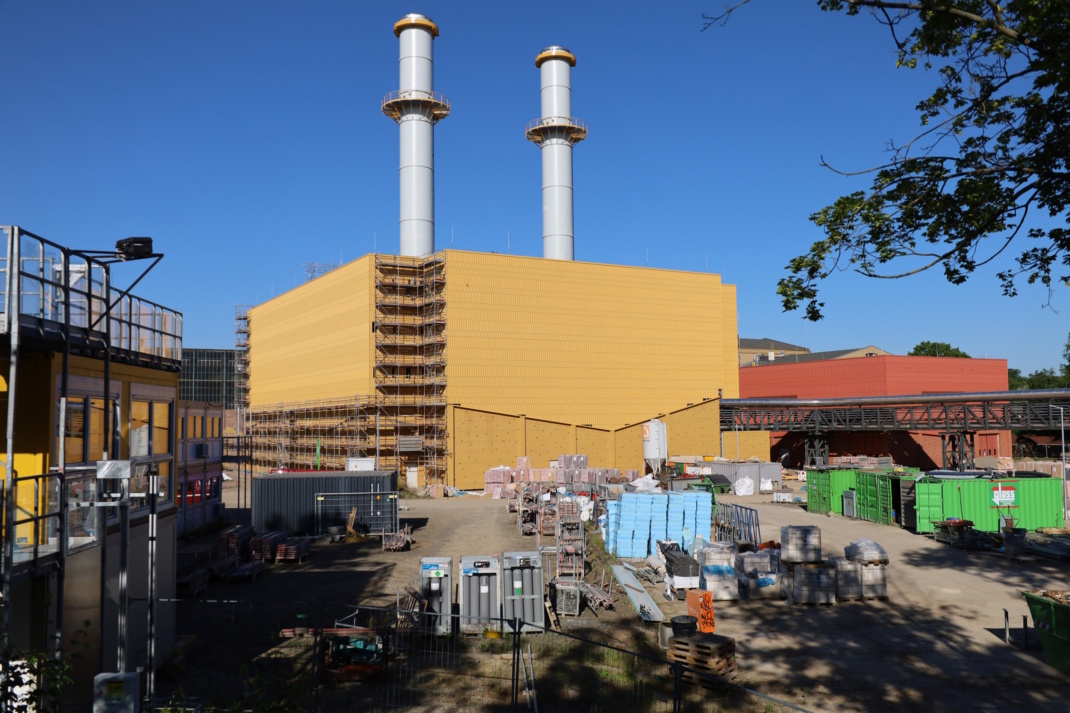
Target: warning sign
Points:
(646, 431)
(1004, 496)
(700, 606)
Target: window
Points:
(83, 430)
(151, 434)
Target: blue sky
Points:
(247, 138)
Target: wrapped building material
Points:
(813, 585)
(800, 543)
(866, 551)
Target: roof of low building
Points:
(822, 356)
(768, 344)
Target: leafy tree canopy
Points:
(937, 349)
(990, 157)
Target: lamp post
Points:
(126, 250)
(1062, 457)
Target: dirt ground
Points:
(937, 642)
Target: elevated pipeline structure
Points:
(957, 416)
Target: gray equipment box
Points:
(478, 592)
(117, 693)
(436, 586)
(522, 591)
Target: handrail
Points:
(416, 94)
(138, 325)
(551, 122)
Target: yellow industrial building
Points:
(444, 356)
(443, 364)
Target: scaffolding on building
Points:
(241, 366)
(403, 422)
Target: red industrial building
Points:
(878, 376)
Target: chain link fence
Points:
(276, 662)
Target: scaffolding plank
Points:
(646, 607)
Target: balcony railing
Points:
(37, 517)
(47, 270)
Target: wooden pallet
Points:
(708, 645)
(863, 598)
(811, 604)
(697, 677)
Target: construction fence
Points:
(283, 662)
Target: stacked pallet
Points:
(264, 546)
(295, 549)
(571, 540)
(805, 577)
(235, 540)
(704, 654)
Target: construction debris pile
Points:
(863, 461)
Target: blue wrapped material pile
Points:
(636, 521)
(612, 524)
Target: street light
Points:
(1062, 458)
(126, 250)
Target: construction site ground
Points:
(937, 642)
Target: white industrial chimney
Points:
(416, 108)
(555, 133)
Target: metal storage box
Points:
(436, 586)
(850, 504)
(289, 501)
(800, 543)
(522, 591)
(478, 594)
(567, 598)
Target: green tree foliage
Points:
(937, 349)
(992, 152)
(1041, 379)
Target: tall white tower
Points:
(416, 108)
(555, 132)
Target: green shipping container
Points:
(817, 491)
(1032, 502)
(874, 497)
(824, 489)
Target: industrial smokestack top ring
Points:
(555, 52)
(414, 19)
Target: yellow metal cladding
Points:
(480, 440)
(585, 343)
(315, 341)
(746, 444)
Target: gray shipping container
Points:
(756, 471)
(288, 501)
